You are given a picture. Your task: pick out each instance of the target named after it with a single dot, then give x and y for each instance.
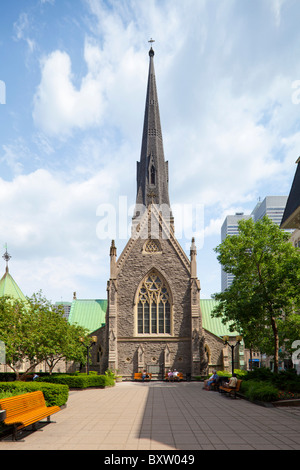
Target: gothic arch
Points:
(153, 306)
(207, 353)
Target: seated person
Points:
(144, 375)
(170, 375)
(175, 374)
(232, 382)
(212, 379)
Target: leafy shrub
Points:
(7, 376)
(13, 393)
(241, 374)
(55, 394)
(91, 372)
(78, 381)
(287, 380)
(260, 374)
(223, 373)
(259, 391)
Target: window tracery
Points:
(152, 246)
(154, 309)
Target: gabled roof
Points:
(9, 287)
(89, 314)
(158, 221)
(291, 215)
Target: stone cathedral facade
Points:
(153, 318)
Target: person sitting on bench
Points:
(232, 382)
(213, 378)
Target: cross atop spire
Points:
(151, 52)
(6, 257)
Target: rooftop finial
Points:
(6, 257)
(151, 52)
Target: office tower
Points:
(230, 227)
(272, 206)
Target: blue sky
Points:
(75, 75)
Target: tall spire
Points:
(152, 170)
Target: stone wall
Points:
(132, 272)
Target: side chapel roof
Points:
(8, 285)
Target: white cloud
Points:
(58, 105)
(21, 30)
(52, 223)
(229, 124)
(277, 7)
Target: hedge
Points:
(78, 381)
(55, 394)
(259, 391)
(287, 380)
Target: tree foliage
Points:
(265, 290)
(35, 331)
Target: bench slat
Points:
(231, 391)
(34, 416)
(26, 409)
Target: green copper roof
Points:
(89, 314)
(212, 324)
(9, 287)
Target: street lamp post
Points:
(232, 346)
(92, 342)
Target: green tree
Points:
(35, 331)
(55, 338)
(265, 289)
(18, 334)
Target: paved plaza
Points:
(162, 416)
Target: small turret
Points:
(113, 260)
(193, 256)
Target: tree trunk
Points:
(15, 371)
(276, 344)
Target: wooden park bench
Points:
(215, 386)
(178, 377)
(231, 391)
(138, 376)
(25, 410)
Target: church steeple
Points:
(152, 170)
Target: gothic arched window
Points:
(154, 309)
